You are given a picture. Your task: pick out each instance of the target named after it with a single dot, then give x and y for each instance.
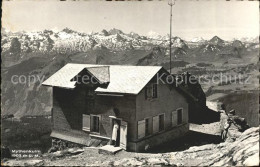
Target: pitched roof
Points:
(122, 79)
(62, 77)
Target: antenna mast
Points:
(171, 3)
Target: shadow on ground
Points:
(205, 117)
(192, 138)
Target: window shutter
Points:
(155, 124)
(86, 122)
(141, 129)
(174, 118)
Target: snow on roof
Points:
(62, 77)
(101, 73)
(122, 79)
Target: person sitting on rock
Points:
(232, 113)
(239, 122)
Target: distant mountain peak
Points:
(134, 35)
(198, 39)
(68, 30)
(237, 44)
(177, 39)
(104, 32)
(216, 41)
(215, 38)
(250, 39)
(153, 35)
(115, 31)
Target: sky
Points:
(191, 18)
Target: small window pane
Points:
(95, 124)
(161, 122)
(179, 120)
(154, 91)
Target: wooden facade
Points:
(158, 113)
(69, 106)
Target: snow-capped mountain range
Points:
(115, 42)
(68, 39)
(113, 39)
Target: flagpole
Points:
(171, 4)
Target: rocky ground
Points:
(242, 152)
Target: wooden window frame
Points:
(151, 91)
(149, 130)
(151, 122)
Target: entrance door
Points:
(123, 135)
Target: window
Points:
(154, 92)
(141, 129)
(90, 123)
(144, 128)
(179, 116)
(95, 123)
(161, 122)
(151, 91)
(158, 123)
(147, 131)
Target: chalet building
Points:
(88, 100)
